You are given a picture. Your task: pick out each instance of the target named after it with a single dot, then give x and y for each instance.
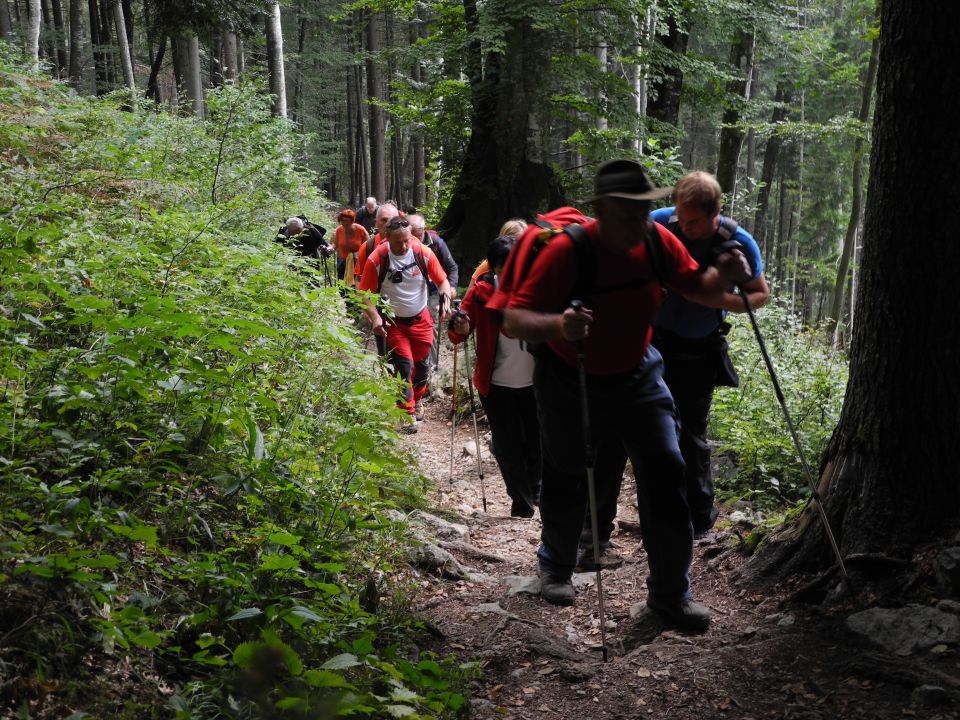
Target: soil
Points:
(765, 654)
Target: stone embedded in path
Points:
(522, 584)
(470, 448)
(441, 528)
(434, 559)
(904, 630)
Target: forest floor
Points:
(764, 655)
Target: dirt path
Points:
(757, 660)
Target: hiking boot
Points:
(686, 615)
(418, 413)
(557, 591)
(410, 428)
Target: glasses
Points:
(394, 224)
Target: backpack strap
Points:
(586, 260)
(418, 259)
(371, 245)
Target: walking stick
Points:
(793, 432)
(453, 415)
(590, 461)
(473, 411)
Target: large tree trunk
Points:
(231, 66)
(663, 102)
(503, 174)
(153, 88)
(56, 10)
(850, 237)
(32, 39)
(731, 136)
(186, 70)
(889, 475)
(278, 82)
(378, 164)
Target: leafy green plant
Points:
(198, 467)
(747, 422)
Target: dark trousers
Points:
(634, 414)
(690, 373)
(515, 429)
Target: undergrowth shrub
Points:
(197, 462)
(747, 423)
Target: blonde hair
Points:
(699, 189)
(513, 227)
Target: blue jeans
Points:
(632, 413)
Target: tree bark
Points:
(278, 82)
(378, 169)
(231, 66)
(850, 237)
(663, 101)
(153, 89)
(76, 43)
(6, 26)
(56, 10)
(731, 136)
(771, 155)
(889, 474)
(32, 38)
(126, 61)
(502, 175)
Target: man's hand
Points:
(460, 324)
(575, 323)
(378, 328)
(733, 265)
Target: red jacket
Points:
(487, 326)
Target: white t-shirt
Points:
(408, 297)
(513, 366)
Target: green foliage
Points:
(197, 461)
(748, 424)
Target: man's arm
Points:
(757, 292)
(446, 260)
(711, 287)
(534, 326)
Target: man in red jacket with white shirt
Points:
(398, 270)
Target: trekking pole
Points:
(473, 411)
(453, 415)
(590, 461)
(793, 432)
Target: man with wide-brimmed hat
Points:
(630, 408)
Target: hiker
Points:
(418, 226)
(367, 214)
(503, 377)
(347, 240)
(399, 270)
(514, 228)
(691, 336)
(301, 235)
(385, 213)
(628, 402)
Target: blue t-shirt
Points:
(690, 319)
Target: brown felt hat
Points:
(625, 179)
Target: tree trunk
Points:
(889, 475)
(850, 237)
(502, 175)
(153, 88)
(126, 61)
(6, 26)
(770, 156)
(419, 158)
(378, 169)
(231, 66)
(194, 81)
(278, 83)
(56, 10)
(731, 136)
(32, 39)
(186, 71)
(216, 60)
(663, 101)
(109, 53)
(47, 51)
(76, 43)
(102, 83)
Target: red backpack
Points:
(569, 221)
(538, 234)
